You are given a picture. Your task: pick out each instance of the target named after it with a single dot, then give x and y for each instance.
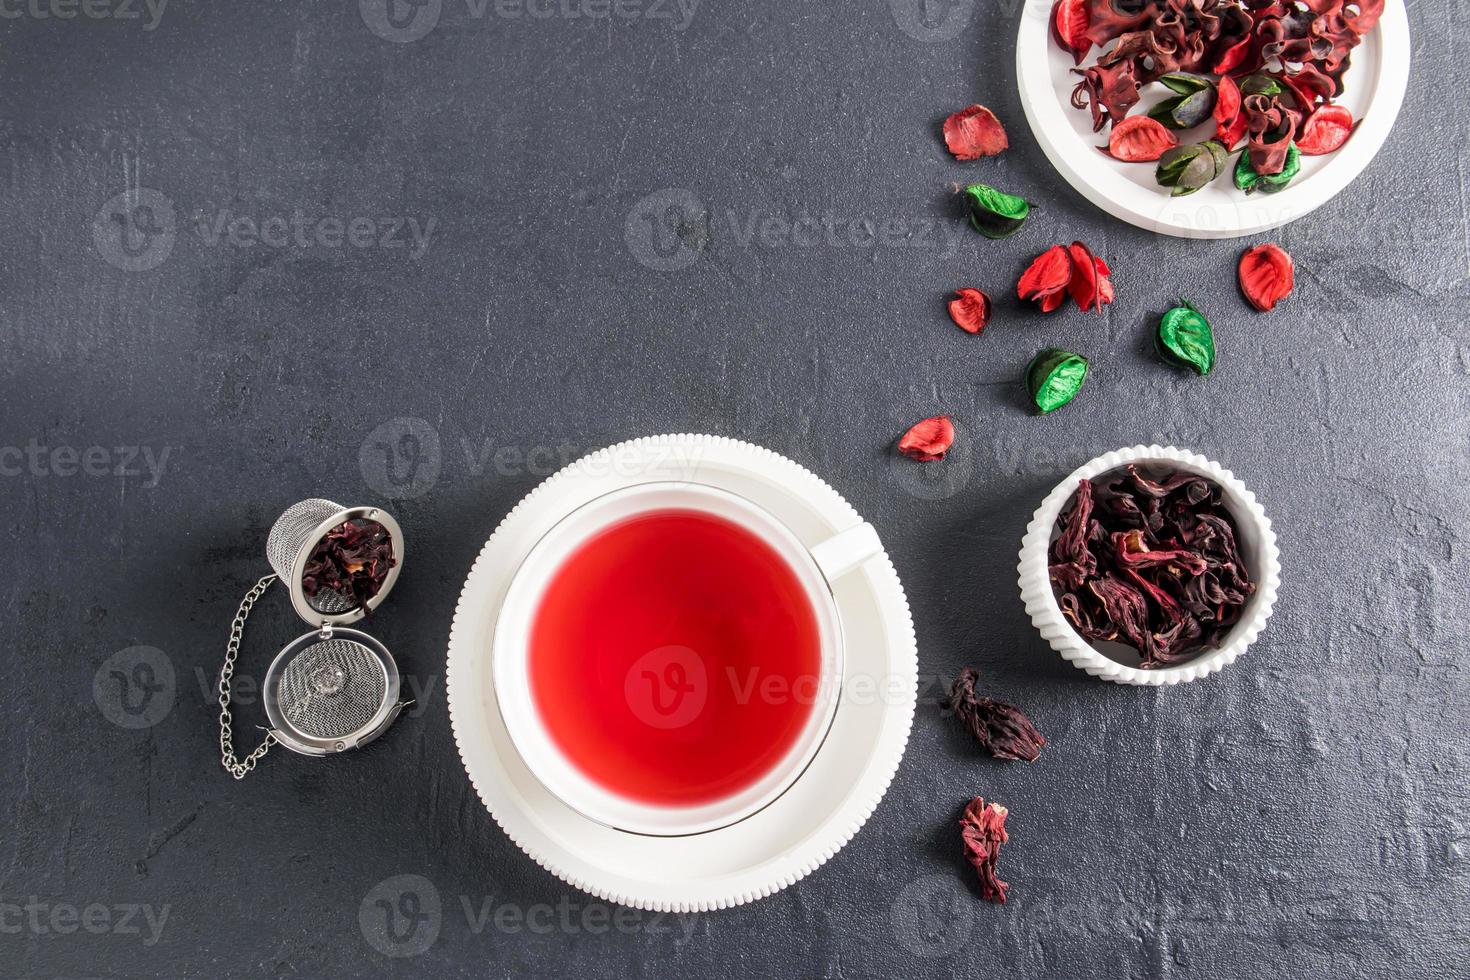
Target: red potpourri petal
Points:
(1326, 130)
(1048, 274)
(1090, 285)
(1230, 122)
(928, 440)
(1267, 276)
(1138, 139)
(970, 310)
(1070, 20)
(974, 132)
(1232, 57)
(1083, 284)
(1105, 291)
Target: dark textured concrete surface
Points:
(1306, 813)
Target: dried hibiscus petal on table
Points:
(1091, 285)
(970, 309)
(1002, 729)
(1067, 270)
(982, 831)
(1151, 560)
(974, 132)
(928, 440)
(352, 559)
(1045, 280)
(1267, 276)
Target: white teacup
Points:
(816, 568)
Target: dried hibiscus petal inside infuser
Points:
(352, 559)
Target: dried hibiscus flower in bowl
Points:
(1149, 565)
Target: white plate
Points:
(1374, 87)
(799, 831)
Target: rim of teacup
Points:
(1258, 550)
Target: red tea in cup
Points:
(675, 657)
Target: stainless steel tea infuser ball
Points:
(332, 689)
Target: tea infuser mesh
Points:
(291, 534)
(329, 690)
(332, 689)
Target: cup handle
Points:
(846, 550)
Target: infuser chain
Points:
(239, 767)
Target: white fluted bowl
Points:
(1257, 549)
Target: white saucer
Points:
(1374, 91)
(799, 831)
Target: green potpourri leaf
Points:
(1054, 377)
(1187, 110)
(1189, 168)
(1184, 338)
(1249, 181)
(994, 213)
